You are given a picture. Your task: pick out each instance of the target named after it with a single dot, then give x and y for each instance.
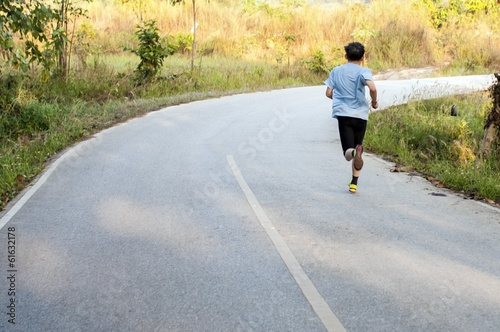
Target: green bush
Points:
(183, 42)
(152, 51)
(317, 63)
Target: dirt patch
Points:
(405, 73)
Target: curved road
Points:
(233, 214)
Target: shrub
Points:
(152, 51)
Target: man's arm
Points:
(329, 93)
(373, 93)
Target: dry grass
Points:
(397, 33)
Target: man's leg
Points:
(359, 134)
(352, 132)
(347, 137)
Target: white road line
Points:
(325, 314)
(20, 203)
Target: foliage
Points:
(442, 12)
(365, 32)
(43, 29)
(85, 44)
(34, 28)
(317, 63)
(152, 51)
(184, 42)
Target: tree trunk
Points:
(194, 38)
(63, 55)
(492, 124)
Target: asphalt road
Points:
(233, 214)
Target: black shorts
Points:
(352, 131)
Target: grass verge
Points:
(424, 137)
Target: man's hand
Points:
(375, 104)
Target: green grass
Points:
(442, 147)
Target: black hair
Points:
(354, 51)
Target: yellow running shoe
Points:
(352, 187)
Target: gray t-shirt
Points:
(348, 83)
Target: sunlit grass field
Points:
(396, 33)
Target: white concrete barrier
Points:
(399, 92)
